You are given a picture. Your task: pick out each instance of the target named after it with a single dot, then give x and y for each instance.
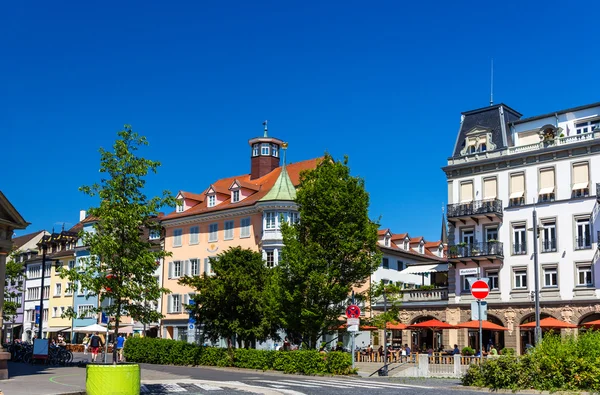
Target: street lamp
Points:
(384, 370)
(537, 335)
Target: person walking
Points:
(86, 343)
(95, 344)
(120, 345)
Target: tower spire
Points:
(265, 124)
(444, 235)
(492, 84)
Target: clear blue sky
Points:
(383, 82)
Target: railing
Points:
(476, 249)
(519, 249)
(583, 243)
(552, 143)
(549, 245)
(489, 206)
(421, 295)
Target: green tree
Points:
(237, 300)
(331, 250)
(121, 265)
(391, 294)
(15, 275)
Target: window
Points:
(386, 263)
(85, 311)
(154, 234)
(46, 291)
(80, 290)
(580, 180)
(489, 188)
(45, 315)
(255, 150)
(520, 277)
(386, 241)
(177, 236)
(293, 217)
(586, 127)
(71, 264)
(213, 230)
(69, 289)
(466, 192)
(208, 270)
(235, 196)
(493, 280)
(270, 258)
(33, 293)
(550, 277)
(176, 269)
(270, 220)
(55, 312)
(519, 240)
(482, 147)
(194, 231)
(491, 233)
(57, 289)
(245, 227)
(228, 230)
(401, 266)
(265, 148)
(468, 237)
(34, 272)
(175, 303)
(48, 270)
(274, 150)
(548, 236)
(179, 207)
(194, 267)
(584, 276)
(517, 189)
(406, 245)
(546, 191)
(582, 231)
(212, 200)
(466, 285)
(19, 299)
(421, 248)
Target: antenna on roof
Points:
(265, 123)
(492, 85)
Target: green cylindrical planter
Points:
(122, 379)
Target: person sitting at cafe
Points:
(456, 351)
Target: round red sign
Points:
(480, 289)
(353, 311)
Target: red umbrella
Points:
(549, 323)
(592, 324)
(432, 324)
(397, 326)
(486, 325)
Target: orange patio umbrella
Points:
(432, 324)
(396, 326)
(485, 325)
(592, 324)
(549, 323)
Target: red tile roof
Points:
(265, 183)
(219, 188)
(415, 240)
(382, 232)
(399, 236)
(432, 244)
(198, 197)
(247, 185)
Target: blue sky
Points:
(383, 82)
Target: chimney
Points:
(265, 153)
(81, 215)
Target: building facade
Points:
(244, 211)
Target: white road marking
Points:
(208, 387)
(288, 383)
(173, 387)
(143, 389)
(372, 383)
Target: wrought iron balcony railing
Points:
(476, 207)
(476, 249)
(583, 243)
(519, 249)
(549, 245)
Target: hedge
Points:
(174, 352)
(569, 364)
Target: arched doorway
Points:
(527, 335)
(422, 339)
(495, 338)
(588, 318)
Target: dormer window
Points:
(255, 148)
(265, 149)
(386, 241)
(179, 207)
(235, 196)
(478, 140)
(421, 249)
(406, 245)
(274, 150)
(483, 147)
(471, 149)
(212, 200)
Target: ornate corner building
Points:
(502, 168)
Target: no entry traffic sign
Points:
(353, 311)
(480, 289)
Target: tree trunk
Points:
(116, 335)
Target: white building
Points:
(33, 291)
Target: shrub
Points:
(468, 351)
(174, 352)
(508, 351)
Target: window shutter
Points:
(186, 299)
(170, 304)
(466, 192)
(580, 176)
(170, 269)
(546, 181)
(489, 188)
(187, 267)
(517, 185)
(206, 271)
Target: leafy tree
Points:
(237, 300)
(121, 265)
(15, 274)
(331, 250)
(392, 294)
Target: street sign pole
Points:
(480, 325)
(480, 289)
(353, 337)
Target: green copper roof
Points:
(283, 188)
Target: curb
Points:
(508, 391)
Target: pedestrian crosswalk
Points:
(271, 385)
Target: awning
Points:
(396, 326)
(581, 185)
(485, 325)
(516, 195)
(550, 323)
(56, 329)
(419, 269)
(545, 191)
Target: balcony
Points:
(484, 251)
(583, 243)
(490, 209)
(554, 143)
(425, 295)
(549, 245)
(519, 249)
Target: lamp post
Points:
(384, 369)
(44, 244)
(537, 334)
